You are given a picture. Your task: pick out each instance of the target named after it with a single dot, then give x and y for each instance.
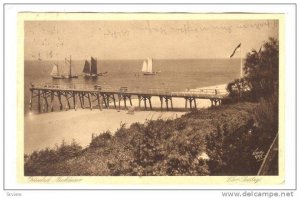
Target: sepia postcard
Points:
(151, 98)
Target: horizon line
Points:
(139, 59)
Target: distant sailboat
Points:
(69, 62)
(144, 68)
(91, 70)
(86, 68)
(94, 67)
(147, 67)
(56, 74)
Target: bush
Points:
(231, 149)
(102, 140)
(39, 162)
(231, 152)
(266, 117)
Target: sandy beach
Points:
(48, 129)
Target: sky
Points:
(138, 39)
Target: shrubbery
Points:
(231, 150)
(40, 162)
(160, 147)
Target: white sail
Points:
(144, 68)
(149, 68)
(54, 71)
(68, 65)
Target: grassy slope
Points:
(115, 154)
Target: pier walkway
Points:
(101, 95)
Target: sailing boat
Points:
(55, 72)
(70, 69)
(147, 67)
(90, 70)
(86, 69)
(93, 67)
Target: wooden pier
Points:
(74, 95)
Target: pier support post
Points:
(52, 98)
(107, 101)
(139, 97)
(43, 101)
(90, 103)
(39, 100)
(191, 100)
(80, 100)
(59, 99)
(145, 98)
(30, 100)
(145, 103)
(104, 99)
(166, 99)
(167, 103)
(124, 98)
(119, 97)
(100, 100)
(150, 102)
(74, 100)
(130, 100)
(67, 100)
(113, 97)
(46, 100)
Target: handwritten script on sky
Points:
(137, 39)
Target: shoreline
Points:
(50, 129)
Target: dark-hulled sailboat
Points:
(94, 67)
(91, 70)
(86, 69)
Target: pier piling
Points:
(30, 100)
(39, 100)
(90, 103)
(59, 99)
(74, 100)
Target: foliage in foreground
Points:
(228, 134)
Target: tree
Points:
(261, 70)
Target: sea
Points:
(173, 75)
